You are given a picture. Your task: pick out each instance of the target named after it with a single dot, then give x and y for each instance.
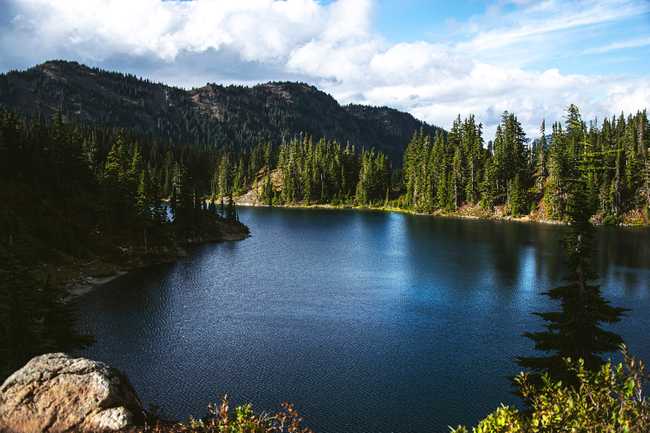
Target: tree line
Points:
(310, 172)
(448, 172)
(73, 194)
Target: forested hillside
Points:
(460, 173)
(212, 116)
(232, 138)
(78, 200)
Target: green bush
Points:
(609, 400)
(243, 420)
(611, 220)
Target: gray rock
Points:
(57, 393)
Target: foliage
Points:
(446, 172)
(575, 331)
(242, 420)
(321, 172)
(609, 400)
(74, 194)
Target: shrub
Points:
(609, 400)
(243, 420)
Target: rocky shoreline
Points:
(79, 278)
(466, 212)
(253, 198)
(459, 215)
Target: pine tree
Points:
(231, 210)
(116, 183)
(576, 330)
(559, 166)
(225, 186)
(633, 166)
(268, 190)
(457, 179)
(516, 198)
(184, 186)
(473, 146)
(143, 206)
(488, 186)
(647, 189)
(540, 158)
(239, 178)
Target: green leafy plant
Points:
(609, 400)
(243, 419)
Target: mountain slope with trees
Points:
(215, 116)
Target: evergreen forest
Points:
(459, 172)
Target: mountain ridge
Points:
(211, 115)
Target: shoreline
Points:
(454, 215)
(99, 272)
(90, 283)
(389, 209)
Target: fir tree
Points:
(517, 198)
(143, 206)
(576, 330)
(540, 161)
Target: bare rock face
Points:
(57, 393)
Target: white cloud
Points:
(260, 30)
(335, 47)
(630, 96)
(630, 43)
(545, 18)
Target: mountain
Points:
(212, 115)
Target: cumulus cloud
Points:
(335, 46)
(260, 30)
(630, 96)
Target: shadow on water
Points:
(368, 321)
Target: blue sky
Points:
(412, 20)
(435, 21)
(435, 59)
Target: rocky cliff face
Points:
(56, 393)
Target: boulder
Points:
(57, 393)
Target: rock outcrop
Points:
(57, 393)
(254, 196)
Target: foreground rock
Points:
(57, 393)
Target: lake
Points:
(368, 321)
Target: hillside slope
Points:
(212, 115)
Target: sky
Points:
(434, 59)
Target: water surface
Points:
(368, 321)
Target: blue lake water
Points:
(367, 321)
